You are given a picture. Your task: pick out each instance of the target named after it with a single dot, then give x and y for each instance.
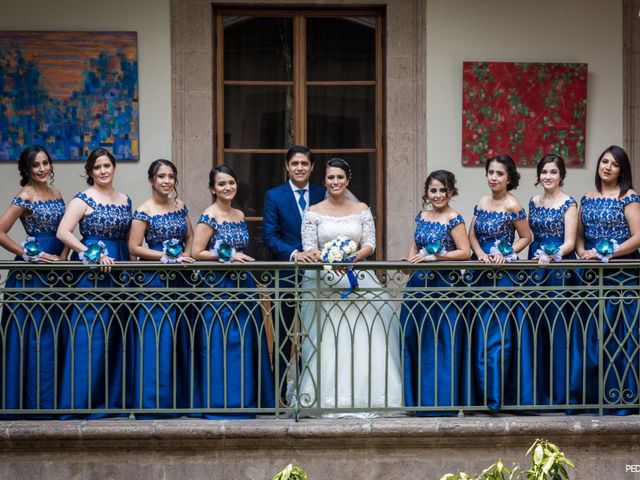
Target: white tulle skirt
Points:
(350, 347)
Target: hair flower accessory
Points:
(605, 249)
(341, 250)
(32, 250)
(173, 249)
(224, 251)
(93, 253)
(505, 249)
(548, 251)
(431, 249)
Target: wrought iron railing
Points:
(220, 340)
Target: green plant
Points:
(291, 472)
(547, 463)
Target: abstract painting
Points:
(524, 110)
(70, 92)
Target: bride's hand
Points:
(308, 256)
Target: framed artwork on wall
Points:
(524, 110)
(70, 92)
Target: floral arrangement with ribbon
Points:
(341, 250)
(32, 250)
(505, 249)
(224, 251)
(431, 250)
(173, 250)
(93, 253)
(605, 249)
(548, 251)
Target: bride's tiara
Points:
(340, 163)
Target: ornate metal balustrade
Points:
(208, 339)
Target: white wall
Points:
(151, 19)
(586, 31)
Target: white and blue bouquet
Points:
(341, 250)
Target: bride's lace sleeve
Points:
(368, 230)
(309, 231)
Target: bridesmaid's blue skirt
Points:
(158, 344)
(434, 335)
(620, 358)
(497, 331)
(551, 321)
(30, 331)
(233, 367)
(93, 337)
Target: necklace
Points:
(110, 195)
(548, 202)
(40, 193)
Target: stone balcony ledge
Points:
(472, 431)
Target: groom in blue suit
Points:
(284, 206)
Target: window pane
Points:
(258, 48)
(341, 117)
(257, 173)
(363, 174)
(341, 48)
(258, 116)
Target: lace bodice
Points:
(430, 231)
(318, 229)
(106, 221)
(491, 226)
(603, 218)
(234, 233)
(44, 218)
(548, 222)
(164, 226)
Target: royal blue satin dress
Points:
(158, 356)
(93, 334)
(232, 357)
(31, 329)
(603, 219)
(495, 324)
(550, 319)
(433, 332)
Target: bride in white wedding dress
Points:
(351, 347)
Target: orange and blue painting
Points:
(70, 92)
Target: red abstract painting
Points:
(525, 110)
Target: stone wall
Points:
(388, 448)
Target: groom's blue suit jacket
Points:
(281, 222)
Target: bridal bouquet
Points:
(341, 250)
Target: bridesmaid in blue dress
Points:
(30, 330)
(434, 334)
(229, 333)
(495, 325)
(553, 218)
(104, 217)
(163, 222)
(609, 228)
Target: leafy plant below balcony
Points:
(291, 472)
(547, 463)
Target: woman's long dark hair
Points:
(91, 161)
(513, 177)
(625, 179)
(25, 163)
